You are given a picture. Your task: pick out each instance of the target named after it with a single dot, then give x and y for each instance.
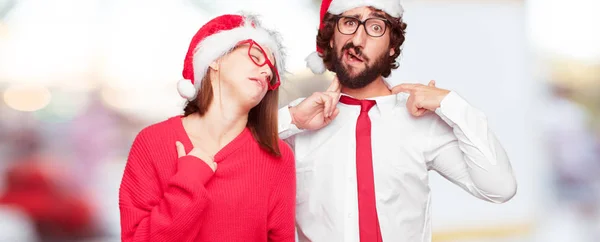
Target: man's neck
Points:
(376, 88)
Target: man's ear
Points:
(392, 52)
(331, 43)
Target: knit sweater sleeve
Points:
(283, 199)
(149, 213)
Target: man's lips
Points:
(352, 57)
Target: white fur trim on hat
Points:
(218, 44)
(391, 7)
(315, 63)
(186, 89)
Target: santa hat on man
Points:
(217, 37)
(391, 7)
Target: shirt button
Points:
(349, 215)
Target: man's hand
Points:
(422, 98)
(319, 109)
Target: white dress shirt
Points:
(454, 141)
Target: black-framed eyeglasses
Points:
(374, 27)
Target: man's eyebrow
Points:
(352, 16)
(372, 14)
(376, 14)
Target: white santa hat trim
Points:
(391, 7)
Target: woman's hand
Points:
(197, 152)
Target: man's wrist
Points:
(440, 99)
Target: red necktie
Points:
(367, 210)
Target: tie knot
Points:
(365, 105)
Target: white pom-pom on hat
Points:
(186, 89)
(315, 63)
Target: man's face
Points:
(360, 58)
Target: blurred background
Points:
(80, 78)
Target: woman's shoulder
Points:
(287, 155)
(159, 131)
(150, 153)
(286, 164)
(285, 149)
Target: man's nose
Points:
(359, 37)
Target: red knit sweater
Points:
(250, 197)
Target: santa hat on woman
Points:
(391, 7)
(215, 39)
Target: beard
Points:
(363, 78)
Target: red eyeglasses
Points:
(261, 61)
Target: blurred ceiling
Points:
(5, 7)
(132, 49)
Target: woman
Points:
(219, 172)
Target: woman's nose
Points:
(266, 73)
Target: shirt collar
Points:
(386, 104)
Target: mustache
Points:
(356, 49)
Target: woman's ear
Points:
(214, 65)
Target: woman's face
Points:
(246, 73)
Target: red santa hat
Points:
(215, 39)
(391, 7)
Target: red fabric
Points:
(367, 209)
(54, 211)
(221, 23)
(250, 197)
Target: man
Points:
(362, 164)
